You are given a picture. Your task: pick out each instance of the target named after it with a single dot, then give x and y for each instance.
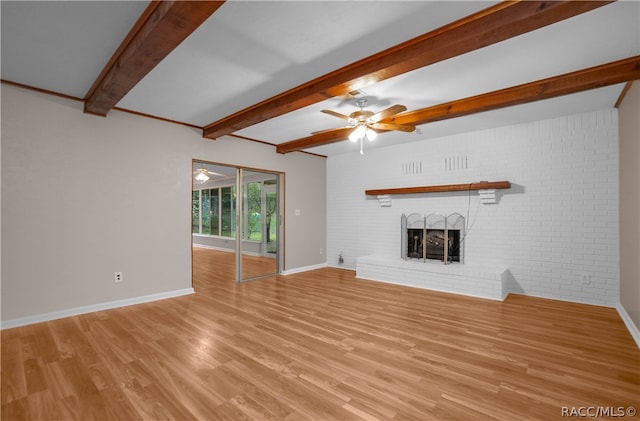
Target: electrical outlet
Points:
(117, 277)
(586, 279)
(321, 251)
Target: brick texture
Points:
(556, 229)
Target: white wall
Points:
(630, 204)
(85, 196)
(556, 229)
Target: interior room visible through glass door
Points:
(259, 221)
(213, 218)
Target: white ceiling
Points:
(248, 51)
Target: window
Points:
(228, 214)
(253, 212)
(213, 212)
(214, 215)
(195, 212)
(207, 209)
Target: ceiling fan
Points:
(202, 174)
(366, 124)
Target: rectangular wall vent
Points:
(412, 168)
(456, 163)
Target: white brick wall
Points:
(555, 229)
(484, 281)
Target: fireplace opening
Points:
(433, 237)
(416, 240)
(437, 242)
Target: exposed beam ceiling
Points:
(225, 66)
(604, 75)
(489, 26)
(160, 29)
(595, 77)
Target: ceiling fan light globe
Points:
(357, 134)
(371, 134)
(201, 177)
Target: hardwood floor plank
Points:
(361, 413)
(42, 406)
(91, 404)
(71, 341)
(34, 376)
(40, 343)
(179, 386)
(320, 345)
(13, 380)
(262, 397)
(16, 409)
(154, 402)
(58, 384)
(251, 409)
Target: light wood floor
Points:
(320, 345)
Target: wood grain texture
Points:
(620, 71)
(324, 137)
(497, 23)
(158, 31)
(441, 188)
(319, 345)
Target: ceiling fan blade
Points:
(388, 112)
(336, 114)
(215, 173)
(392, 126)
(319, 132)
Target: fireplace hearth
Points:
(432, 237)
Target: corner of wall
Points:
(629, 208)
(633, 329)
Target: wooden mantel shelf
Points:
(483, 185)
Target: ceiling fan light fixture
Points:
(365, 122)
(201, 177)
(359, 132)
(371, 134)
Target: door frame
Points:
(240, 185)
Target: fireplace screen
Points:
(435, 237)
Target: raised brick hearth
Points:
(485, 281)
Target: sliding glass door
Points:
(236, 214)
(213, 217)
(259, 220)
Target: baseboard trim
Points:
(633, 329)
(39, 318)
(303, 269)
(245, 253)
(205, 246)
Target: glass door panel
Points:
(259, 223)
(213, 215)
(236, 216)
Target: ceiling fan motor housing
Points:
(360, 116)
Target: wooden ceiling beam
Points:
(494, 24)
(569, 83)
(324, 138)
(626, 89)
(595, 77)
(160, 29)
